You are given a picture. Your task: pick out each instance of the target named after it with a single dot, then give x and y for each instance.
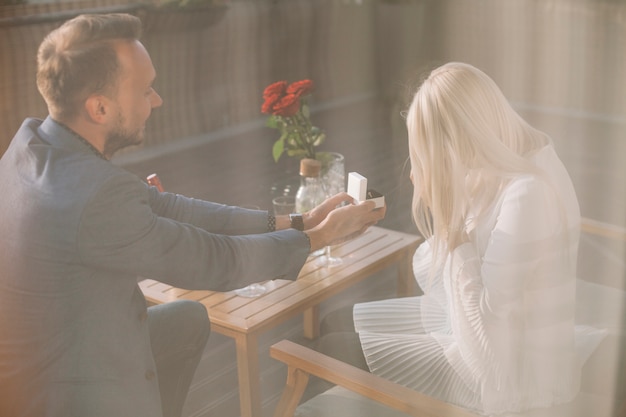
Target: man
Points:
(76, 338)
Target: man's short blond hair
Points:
(79, 59)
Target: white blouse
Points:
(494, 331)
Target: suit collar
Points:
(61, 136)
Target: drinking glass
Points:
(256, 289)
(334, 180)
(284, 204)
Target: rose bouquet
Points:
(289, 113)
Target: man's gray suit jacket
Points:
(76, 232)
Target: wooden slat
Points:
(607, 230)
(363, 256)
(314, 288)
(401, 398)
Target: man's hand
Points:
(341, 223)
(319, 213)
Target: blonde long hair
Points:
(465, 143)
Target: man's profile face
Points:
(135, 98)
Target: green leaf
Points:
(305, 111)
(278, 148)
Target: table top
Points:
(374, 250)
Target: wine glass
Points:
(334, 180)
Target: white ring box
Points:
(357, 189)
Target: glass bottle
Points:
(311, 191)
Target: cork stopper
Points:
(310, 167)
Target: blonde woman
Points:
(494, 331)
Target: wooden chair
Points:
(359, 393)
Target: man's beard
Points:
(120, 138)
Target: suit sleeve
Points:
(212, 217)
(120, 232)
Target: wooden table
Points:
(244, 319)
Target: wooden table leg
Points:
(249, 375)
(311, 325)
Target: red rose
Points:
(277, 88)
(300, 88)
(269, 102)
(287, 106)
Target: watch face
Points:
(296, 221)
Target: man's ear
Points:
(98, 108)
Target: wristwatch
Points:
(297, 222)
